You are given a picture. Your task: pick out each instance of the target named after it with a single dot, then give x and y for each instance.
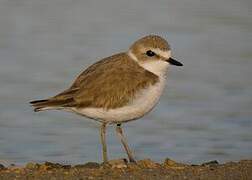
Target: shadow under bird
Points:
(119, 88)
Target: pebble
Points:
(2, 166)
(210, 163)
(32, 165)
(91, 165)
(147, 163)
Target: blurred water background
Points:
(204, 114)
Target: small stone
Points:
(2, 166)
(32, 166)
(194, 165)
(147, 163)
(210, 163)
(169, 162)
(91, 165)
(52, 165)
(115, 163)
(118, 163)
(66, 166)
(57, 165)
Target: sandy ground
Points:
(120, 169)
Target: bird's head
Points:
(153, 53)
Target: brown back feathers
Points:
(109, 83)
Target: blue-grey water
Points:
(204, 114)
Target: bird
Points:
(118, 89)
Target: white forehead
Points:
(165, 54)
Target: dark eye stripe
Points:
(150, 53)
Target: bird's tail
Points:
(46, 104)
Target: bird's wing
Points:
(109, 83)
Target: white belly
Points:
(142, 104)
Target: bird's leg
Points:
(124, 142)
(103, 141)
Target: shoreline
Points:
(121, 169)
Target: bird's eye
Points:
(150, 53)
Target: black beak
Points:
(174, 62)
